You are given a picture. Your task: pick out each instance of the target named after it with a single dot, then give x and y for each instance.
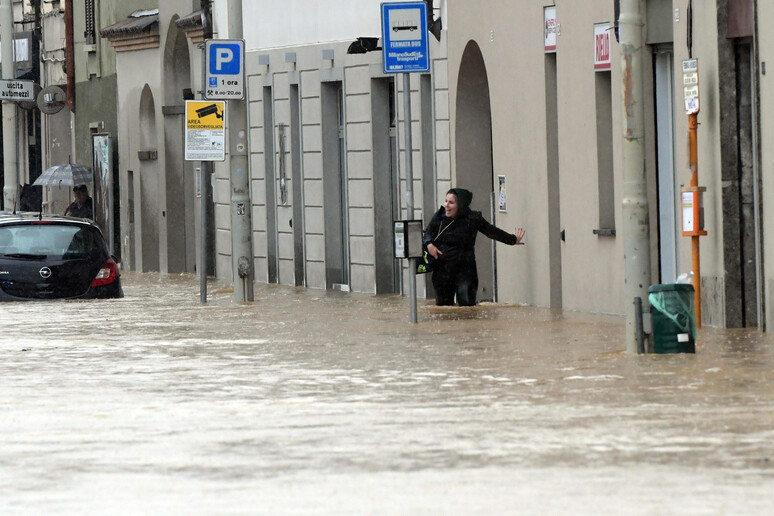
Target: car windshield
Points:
(52, 240)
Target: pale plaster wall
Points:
(136, 69)
(356, 73)
(766, 58)
(134, 75)
(517, 89)
(518, 109)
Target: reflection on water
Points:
(330, 403)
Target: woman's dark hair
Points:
(464, 198)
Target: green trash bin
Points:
(674, 318)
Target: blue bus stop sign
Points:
(404, 37)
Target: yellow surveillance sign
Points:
(205, 134)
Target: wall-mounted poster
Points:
(549, 28)
(103, 186)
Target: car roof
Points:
(7, 217)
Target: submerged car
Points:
(53, 257)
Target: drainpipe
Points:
(636, 227)
(70, 53)
(10, 160)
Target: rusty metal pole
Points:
(693, 124)
(636, 224)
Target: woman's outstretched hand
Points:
(520, 236)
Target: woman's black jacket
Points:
(457, 237)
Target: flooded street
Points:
(313, 402)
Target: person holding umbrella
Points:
(76, 176)
(83, 206)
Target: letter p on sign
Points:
(224, 56)
(224, 59)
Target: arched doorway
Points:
(473, 144)
(148, 229)
(178, 173)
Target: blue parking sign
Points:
(224, 69)
(404, 37)
(224, 58)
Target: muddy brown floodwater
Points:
(313, 402)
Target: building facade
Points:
(327, 148)
(523, 106)
(547, 76)
(24, 153)
(157, 60)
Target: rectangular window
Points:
(335, 186)
(297, 184)
(272, 249)
(553, 182)
(90, 30)
(605, 165)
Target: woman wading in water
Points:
(451, 238)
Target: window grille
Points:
(89, 32)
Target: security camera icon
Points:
(212, 109)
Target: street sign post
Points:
(224, 69)
(405, 50)
(17, 91)
(404, 37)
(693, 206)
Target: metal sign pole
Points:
(206, 166)
(691, 94)
(409, 187)
(636, 229)
(241, 206)
(203, 179)
(405, 50)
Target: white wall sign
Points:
(19, 91)
(400, 239)
(502, 201)
(691, 86)
(687, 202)
(549, 28)
(602, 46)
